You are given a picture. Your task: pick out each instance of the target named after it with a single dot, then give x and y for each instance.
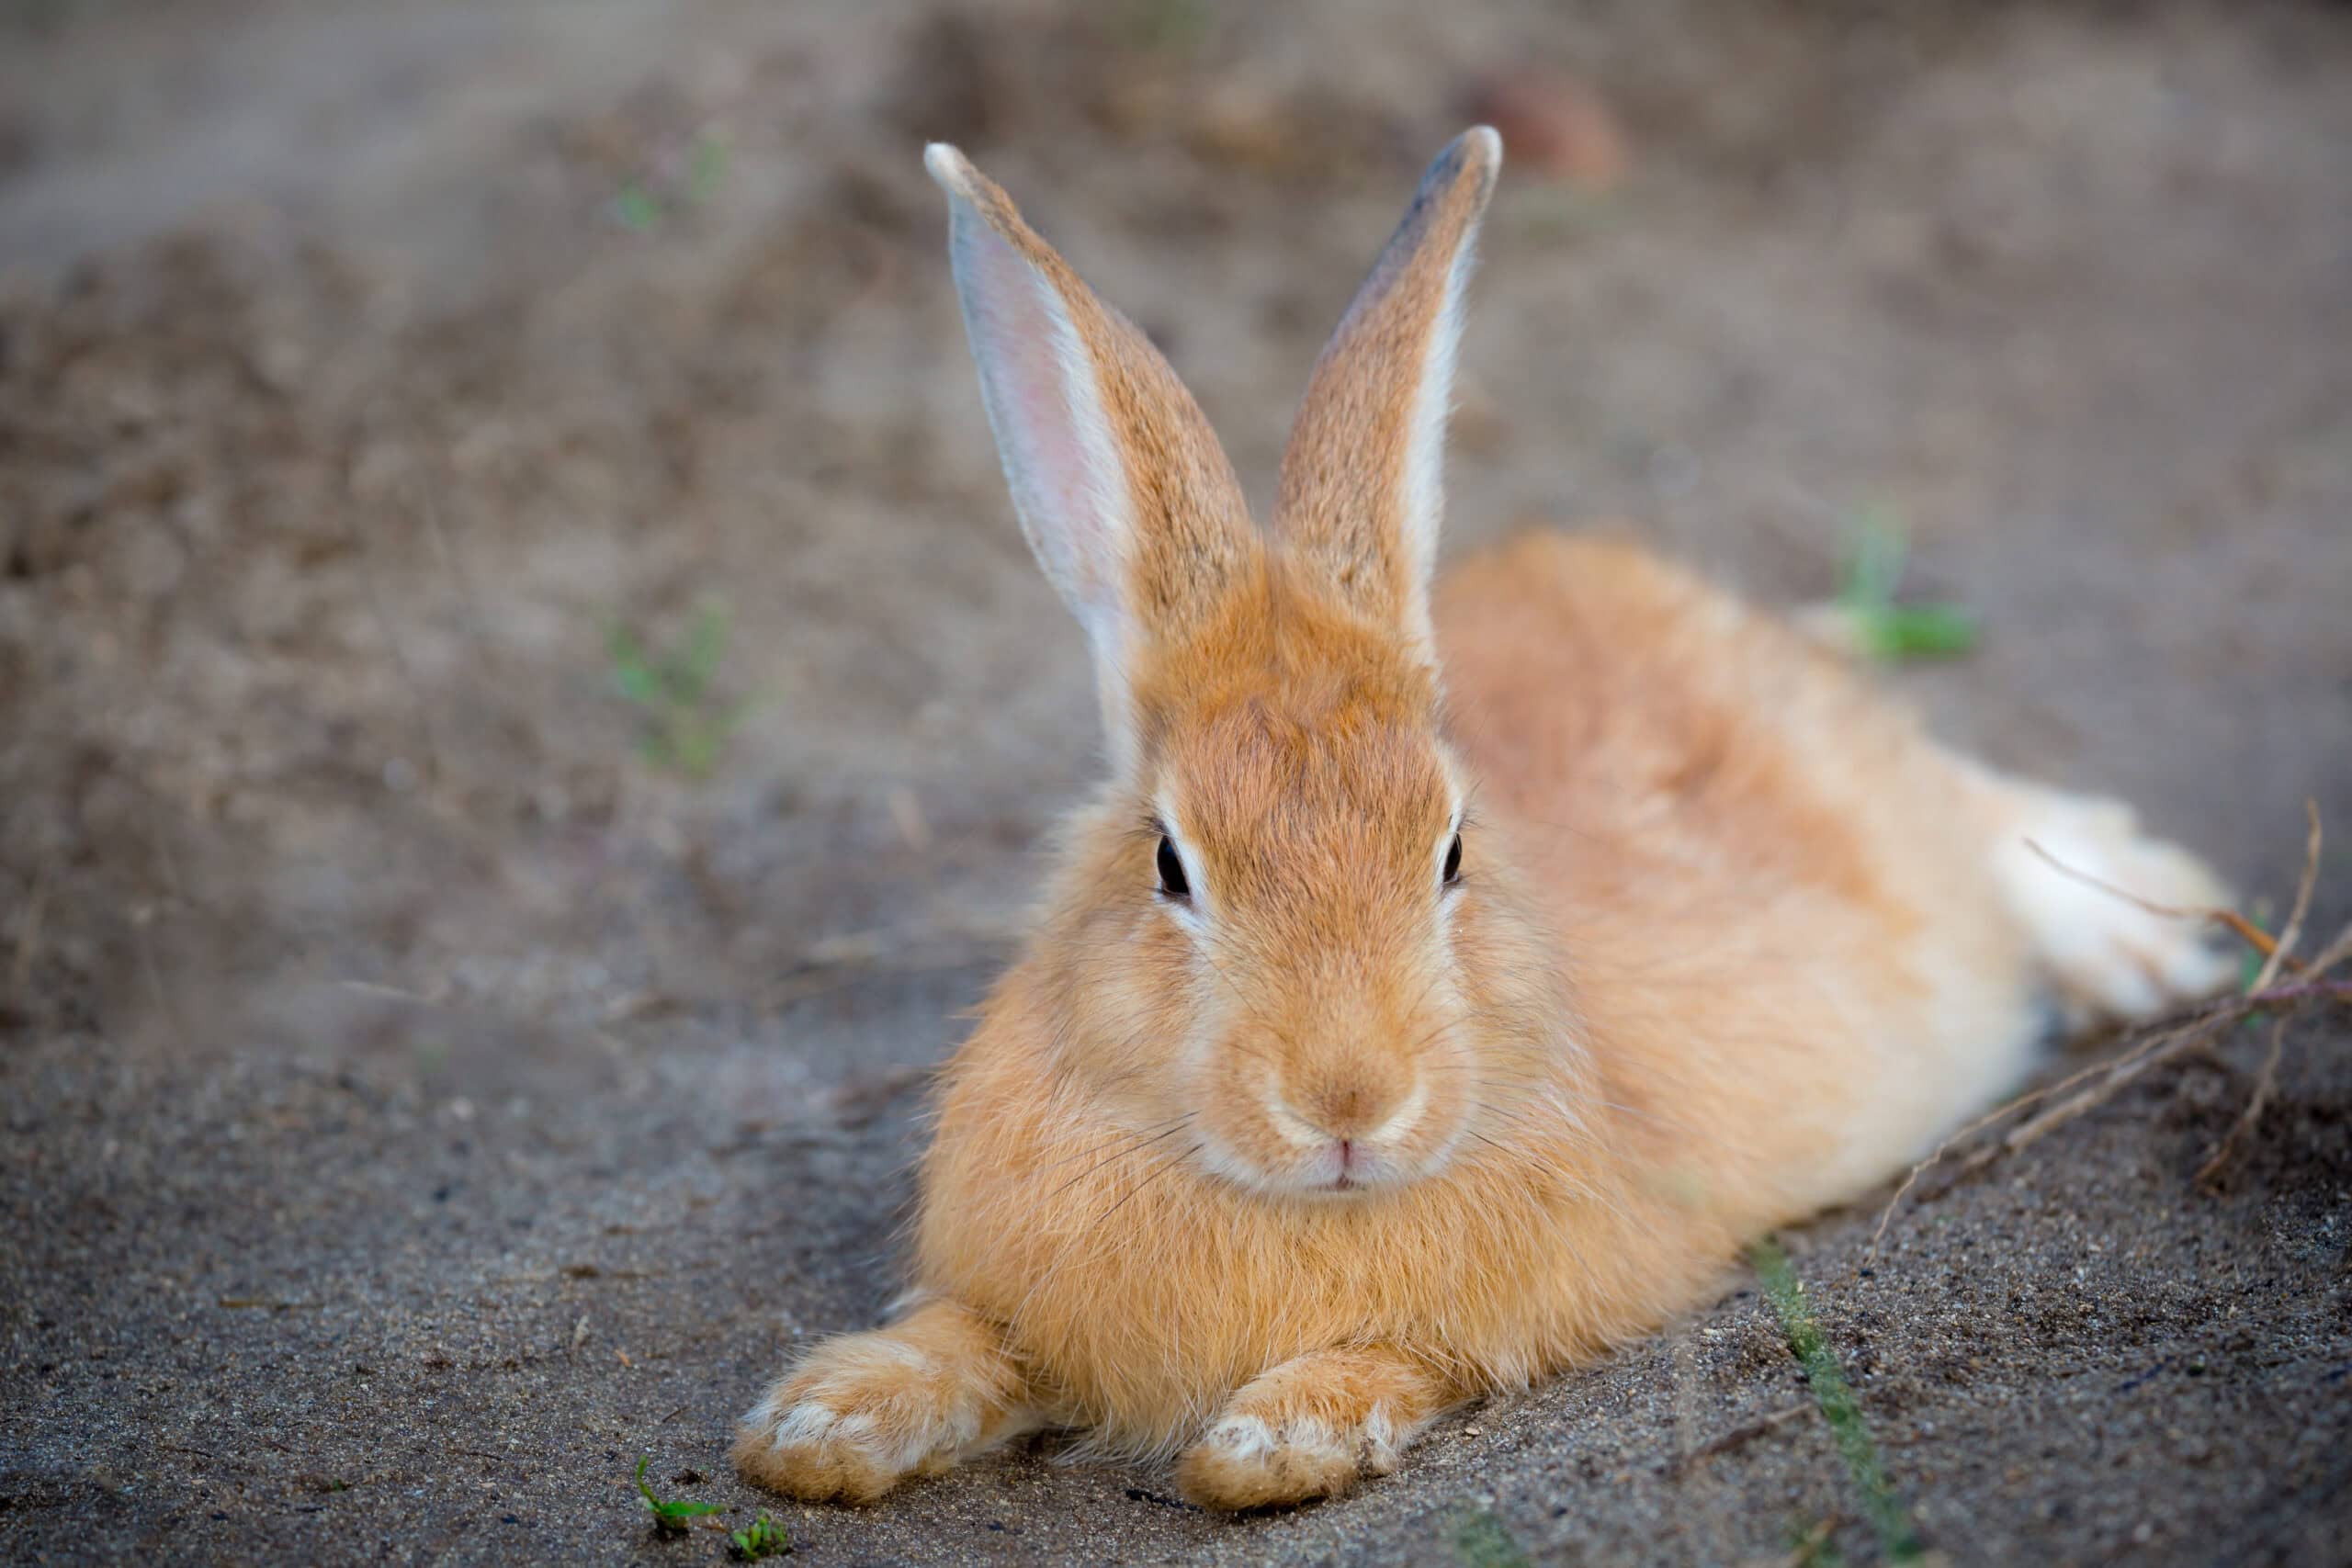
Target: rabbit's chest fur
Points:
(1140, 1293)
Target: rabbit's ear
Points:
(1123, 491)
(1362, 479)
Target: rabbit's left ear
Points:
(1362, 479)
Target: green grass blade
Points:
(669, 1516)
(1483, 1541)
(1889, 1517)
(1921, 631)
(635, 207)
(1875, 557)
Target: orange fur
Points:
(1275, 1171)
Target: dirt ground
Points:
(428, 1088)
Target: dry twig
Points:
(2246, 931)
(2292, 931)
(2093, 1086)
(1739, 1436)
(2264, 1083)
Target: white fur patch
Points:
(1242, 1437)
(804, 1424)
(1296, 1130)
(1401, 1119)
(898, 1351)
(1422, 504)
(2105, 955)
(1064, 463)
(1250, 1438)
(812, 1423)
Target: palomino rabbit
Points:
(1446, 982)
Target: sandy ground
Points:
(420, 1102)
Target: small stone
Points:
(1554, 123)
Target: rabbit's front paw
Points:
(2106, 954)
(1311, 1428)
(864, 1411)
(1249, 1461)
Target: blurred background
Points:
(525, 715)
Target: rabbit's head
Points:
(1277, 943)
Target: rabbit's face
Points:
(1271, 955)
(1301, 834)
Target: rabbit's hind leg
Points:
(2104, 955)
(863, 1411)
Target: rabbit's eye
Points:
(1453, 861)
(1172, 870)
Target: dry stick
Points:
(2158, 1049)
(2264, 1082)
(2246, 931)
(29, 933)
(2334, 954)
(141, 919)
(2340, 990)
(2266, 1079)
(428, 729)
(2292, 931)
(459, 570)
(1998, 1113)
(2160, 1046)
(1746, 1432)
(1809, 1548)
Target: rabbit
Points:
(1451, 977)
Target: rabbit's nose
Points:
(1343, 1112)
(1360, 1105)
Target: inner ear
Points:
(1125, 495)
(1362, 479)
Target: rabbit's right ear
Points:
(1122, 490)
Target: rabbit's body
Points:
(1450, 1040)
(1759, 868)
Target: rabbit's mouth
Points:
(1349, 1167)
(1329, 1136)
(1334, 1170)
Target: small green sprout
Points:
(1897, 1536)
(1812, 1547)
(635, 207)
(765, 1538)
(1175, 27)
(669, 1518)
(708, 170)
(2251, 960)
(643, 204)
(1481, 1539)
(686, 724)
(1881, 628)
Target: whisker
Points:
(1119, 1156)
(1170, 1163)
(1140, 1134)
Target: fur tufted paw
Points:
(864, 1411)
(1312, 1428)
(2106, 957)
